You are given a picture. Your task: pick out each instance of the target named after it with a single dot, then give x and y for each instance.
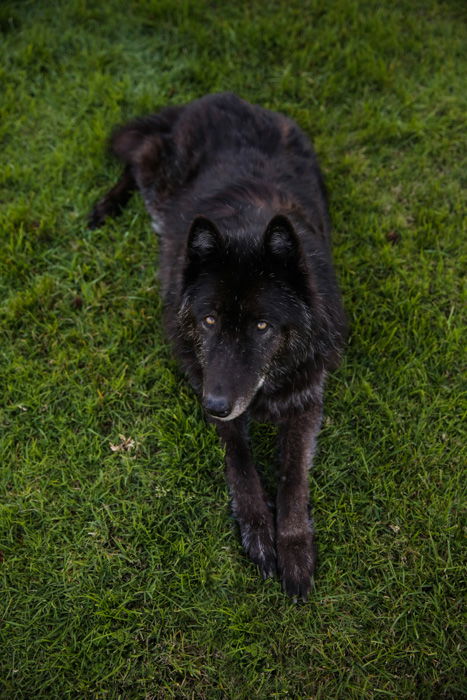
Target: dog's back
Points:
(219, 145)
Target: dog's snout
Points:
(217, 405)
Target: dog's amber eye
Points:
(262, 325)
(209, 320)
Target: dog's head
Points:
(246, 308)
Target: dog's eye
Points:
(262, 325)
(209, 320)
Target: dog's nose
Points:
(216, 405)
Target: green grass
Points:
(122, 575)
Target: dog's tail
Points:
(144, 145)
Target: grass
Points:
(121, 571)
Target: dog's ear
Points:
(280, 240)
(203, 240)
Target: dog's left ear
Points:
(203, 240)
(281, 241)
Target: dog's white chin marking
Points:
(242, 403)
(237, 411)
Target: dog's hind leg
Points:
(145, 147)
(113, 202)
(249, 503)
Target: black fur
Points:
(251, 302)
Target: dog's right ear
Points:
(281, 241)
(203, 240)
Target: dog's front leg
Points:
(249, 503)
(296, 552)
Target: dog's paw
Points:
(258, 542)
(296, 560)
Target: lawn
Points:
(121, 570)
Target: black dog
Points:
(251, 302)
